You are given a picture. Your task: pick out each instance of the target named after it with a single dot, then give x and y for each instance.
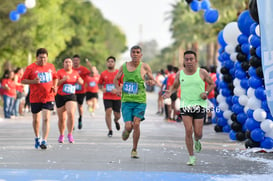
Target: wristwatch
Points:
(207, 92)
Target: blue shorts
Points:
(132, 109)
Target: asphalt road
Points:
(94, 156)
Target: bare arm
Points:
(29, 81)
(210, 83)
(116, 81)
(151, 81)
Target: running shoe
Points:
(80, 123)
(125, 135)
(43, 145)
(117, 125)
(197, 146)
(134, 154)
(110, 133)
(70, 138)
(61, 139)
(191, 161)
(37, 143)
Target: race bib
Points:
(78, 87)
(45, 77)
(130, 87)
(109, 87)
(92, 84)
(69, 89)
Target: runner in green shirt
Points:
(193, 100)
(133, 94)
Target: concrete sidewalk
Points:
(161, 149)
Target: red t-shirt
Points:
(41, 93)
(83, 71)
(211, 94)
(107, 80)
(92, 83)
(68, 87)
(170, 81)
(19, 88)
(11, 92)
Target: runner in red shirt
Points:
(92, 90)
(66, 98)
(111, 101)
(42, 80)
(80, 89)
(9, 93)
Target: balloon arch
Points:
(242, 104)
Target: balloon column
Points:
(210, 15)
(243, 110)
(21, 9)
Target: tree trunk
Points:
(210, 54)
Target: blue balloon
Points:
(250, 113)
(267, 143)
(205, 4)
(235, 99)
(228, 64)
(252, 71)
(241, 118)
(225, 56)
(222, 121)
(255, 82)
(253, 28)
(226, 92)
(232, 71)
(223, 85)
(264, 106)
(244, 22)
(255, 41)
(21, 8)
(195, 5)
(211, 15)
(232, 135)
(219, 114)
(244, 83)
(242, 39)
(226, 128)
(238, 65)
(240, 74)
(245, 48)
(259, 51)
(260, 93)
(221, 39)
(251, 124)
(257, 135)
(229, 100)
(14, 15)
(237, 108)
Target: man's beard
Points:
(110, 68)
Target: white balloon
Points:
(257, 30)
(223, 106)
(30, 3)
(229, 122)
(246, 108)
(243, 99)
(267, 125)
(259, 114)
(238, 91)
(250, 92)
(269, 134)
(227, 114)
(230, 49)
(236, 82)
(220, 98)
(233, 56)
(254, 103)
(231, 33)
